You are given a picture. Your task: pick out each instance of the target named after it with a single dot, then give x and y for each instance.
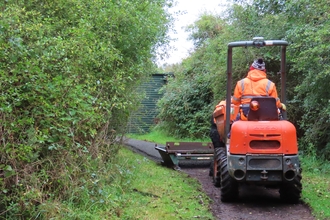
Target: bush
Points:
(68, 70)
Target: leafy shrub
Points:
(185, 106)
(68, 71)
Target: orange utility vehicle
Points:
(262, 149)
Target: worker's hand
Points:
(283, 107)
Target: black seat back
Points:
(267, 110)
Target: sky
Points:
(192, 10)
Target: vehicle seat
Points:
(267, 110)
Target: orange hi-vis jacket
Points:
(255, 84)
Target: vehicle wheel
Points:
(290, 192)
(229, 186)
(219, 154)
(211, 168)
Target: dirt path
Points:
(255, 203)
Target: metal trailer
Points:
(176, 151)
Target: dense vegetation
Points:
(304, 24)
(68, 69)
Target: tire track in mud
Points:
(257, 203)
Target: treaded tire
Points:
(219, 154)
(211, 168)
(290, 192)
(229, 186)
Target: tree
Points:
(304, 25)
(309, 40)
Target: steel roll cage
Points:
(257, 42)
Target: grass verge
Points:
(160, 137)
(316, 186)
(133, 188)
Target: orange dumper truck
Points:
(262, 148)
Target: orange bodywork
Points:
(219, 115)
(263, 137)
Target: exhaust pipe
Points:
(289, 175)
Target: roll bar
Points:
(257, 42)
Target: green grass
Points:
(160, 137)
(133, 188)
(160, 193)
(316, 186)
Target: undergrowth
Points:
(130, 187)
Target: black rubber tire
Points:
(211, 168)
(219, 154)
(229, 186)
(290, 192)
(214, 135)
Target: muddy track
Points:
(257, 203)
(254, 203)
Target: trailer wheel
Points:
(290, 192)
(229, 186)
(219, 154)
